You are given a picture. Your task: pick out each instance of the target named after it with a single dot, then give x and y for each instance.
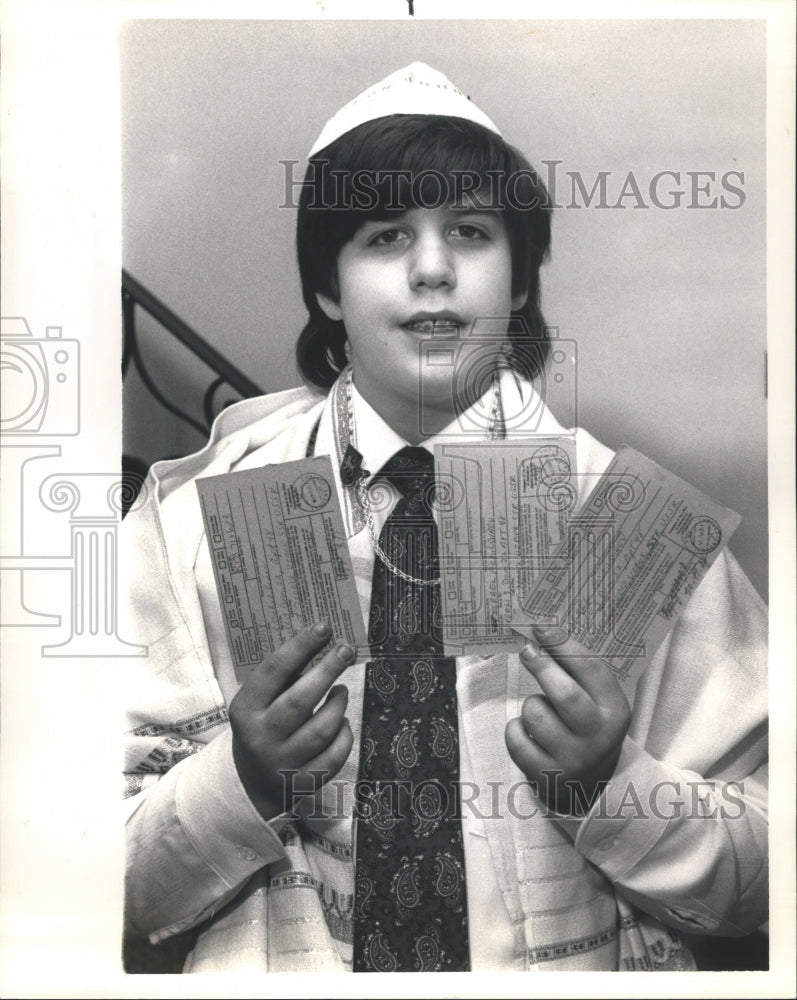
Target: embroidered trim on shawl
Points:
(166, 754)
(666, 952)
(332, 847)
(289, 836)
(185, 727)
(576, 946)
(133, 783)
(337, 906)
(353, 514)
(292, 879)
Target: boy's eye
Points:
(387, 237)
(467, 231)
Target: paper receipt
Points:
(632, 557)
(500, 521)
(280, 556)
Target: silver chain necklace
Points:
(362, 491)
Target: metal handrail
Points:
(226, 374)
(179, 328)
(135, 294)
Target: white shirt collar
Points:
(524, 413)
(377, 442)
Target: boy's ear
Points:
(330, 307)
(519, 300)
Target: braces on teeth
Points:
(430, 325)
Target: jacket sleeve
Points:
(193, 840)
(681, 829)
(193, 836)
(689, 850)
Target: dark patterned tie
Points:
(410, 901)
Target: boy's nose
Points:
(432, 265)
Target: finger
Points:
(296, 704)
(330, 761)
(594, 676)
(572, 703)
(546, 729)
(320, 730)
(280, 668)
(529, 756)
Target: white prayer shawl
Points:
(606, 892)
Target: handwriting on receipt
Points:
(279, 554)
(502, 515)
(632, 556)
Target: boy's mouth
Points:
(436, 325)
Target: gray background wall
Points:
(668, 307)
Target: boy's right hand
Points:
(275, 730)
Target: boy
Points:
(558, 826)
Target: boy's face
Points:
(418, 279)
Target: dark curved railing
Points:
(222, 372)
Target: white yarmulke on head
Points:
(415, 90)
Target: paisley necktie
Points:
(410, 900)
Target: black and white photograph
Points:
(398, 495)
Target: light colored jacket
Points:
(677, 842)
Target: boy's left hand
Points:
(568, 739)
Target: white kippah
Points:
(415, 90)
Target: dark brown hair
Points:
(383, 168)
